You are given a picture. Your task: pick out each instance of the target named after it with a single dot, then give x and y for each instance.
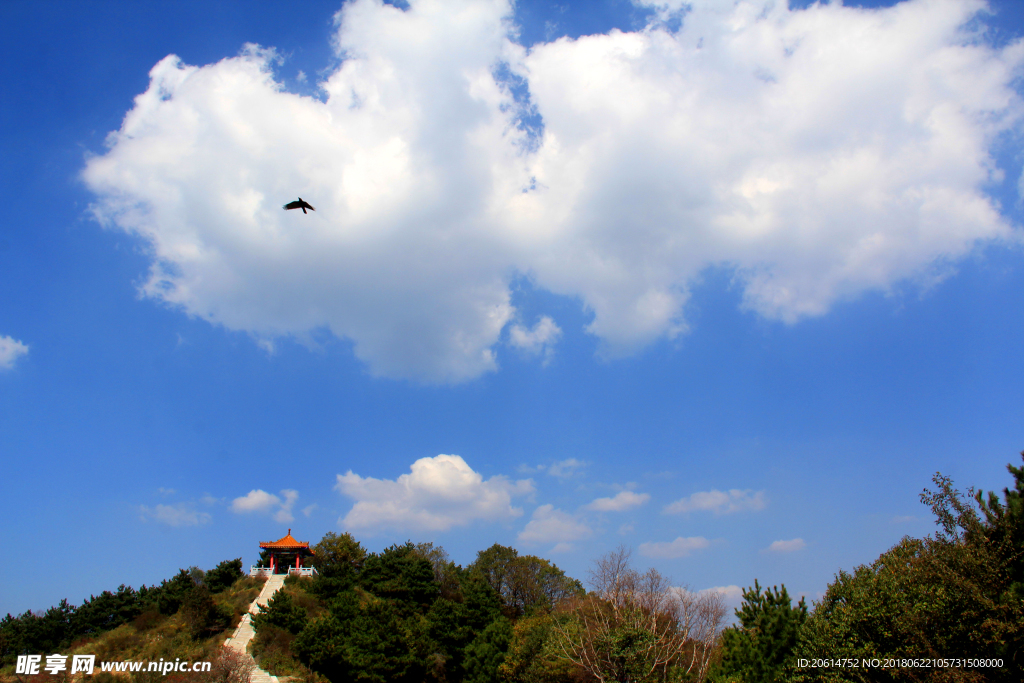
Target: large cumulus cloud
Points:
(818, 153)
(436, 495)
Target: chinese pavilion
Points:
(286, 556)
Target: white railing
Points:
(292, 571)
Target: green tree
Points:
(171, 594)
(34, 633)
(486, 653)
(524, 583)
(202, 616)
(533, 655)
(761, 649)
(481, 601)
(366, 641)
(323, 644)
(106, 611)
(949, 593)
(338, 560)
(380, 646)
(447, 634)
(446, 572)
(400, 574)
(223, 576)
(1005, 527)
(280, 612)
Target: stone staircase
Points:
(239, 640)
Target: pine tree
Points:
(762, 646)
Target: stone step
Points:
(244, 632)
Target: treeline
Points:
(189, 593)
(408, 614)
(949, 607)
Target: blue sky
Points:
(724, 282)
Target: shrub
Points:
(223, 576)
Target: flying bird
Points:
(299, 205)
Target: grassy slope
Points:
(152, 636)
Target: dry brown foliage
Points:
(637, 627)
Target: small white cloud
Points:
(165, 492)
(256, 500)
(681, 547)
(730, 593)
(563, 548)
(786, 546)
(10, 351)
(309, 509)
(439, 493)
(563, 469)
(285, 513)
(178, 514)
(903, 519)
(301, 76)
(259, 500)
(626, 529)
(719, 502)
(624, 500)
(550, 525)
(540, 340)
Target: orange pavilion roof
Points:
(287, 543)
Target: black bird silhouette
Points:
(299, 205)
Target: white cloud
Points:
(681, 547)
(439, 493)
(10, 351)
(259, 500)
(551, 525)
(719, 502)
(786, 546)
(730, 593)
(563, 469)
(256, 500)
(178, 514)
(540, 340)
(285, 513)
(623, 500)
(780, 144)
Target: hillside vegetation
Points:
(183, 618)
(948, 607)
